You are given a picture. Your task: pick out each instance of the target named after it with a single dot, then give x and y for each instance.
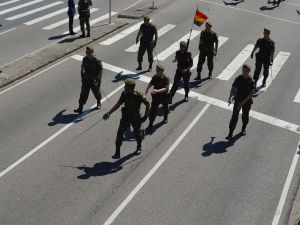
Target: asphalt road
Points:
(56, 168)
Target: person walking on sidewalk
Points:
(160, 83)
(145, 36)
(84, 17)
(71, 14)
(241, 90)
(264, 57)
(208, 46)
(91, 75)
(132, 101)
(184, 64)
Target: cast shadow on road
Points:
(121, 77)
(61, 118)
(176, 104)
(105, 168)
(156, 126)
(199, 83)
(218, 147)
(298, 12)
(58, 37)
(236, 2)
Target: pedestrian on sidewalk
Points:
(132, 101)
(160, 83)
(208, 47)
(241, 91)
(264, 57)
(71, 14)
(184, 64)
(145, 35)
(91, 75)
(84, 17)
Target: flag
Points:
(199, 18)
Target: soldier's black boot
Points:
(186, 98)
(209, 75)
(165, 121)
(264, 82)
(88, 34)
(117, 154)
(198, 77)
(82, 35)
(79, 109)
(150, 67)
(138, 149)
(98, 104)
(243, 132)
(139, 67)
(229, 136)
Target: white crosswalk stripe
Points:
(297, 97)
(92, 22)
(34, 10)
(222, 40)
(278, 63)
(59, 23)
(236, 63)
(122, 34)
(174, 47)
(160, 32)
(9, 2)
(19, 7)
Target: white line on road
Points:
(249, 11)
(9, 2)
(4, 32)
(222, 40)
(286, 187)
(160, 32)
(34, 10)
(236, 63)
(278, 63)
(213, 101)
(46, 16)
(19, 6)
(122, 34)
(92, 22)
(155, 168)
(37, 148)
(175, 46)
(297, 97)
(59, 23)
(293, 4)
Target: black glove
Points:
(144, 118)
(153, 44)
(106, 116)
(215, 52)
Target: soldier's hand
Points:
(153, 91)
(106, 116)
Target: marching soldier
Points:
(84, 16)
(208, 46)
(184, 64)
(264, 57)
(132, 101)
(160, 83)
(241, 90)
(91, 75)
(71, 14)
(145, 35)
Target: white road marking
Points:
(175, 46)
(160, 32)
(278, 63)
(122, 34)
(236, 63)
(297, 97)
(286, 187)
(19, 6)
(155, 168)
(34, 10)
(92, 22)
(59, 23)
(293, 4)
(252, 12)
(46, 16)
(9, 2)
(37, 148)
(222, 40)
(132, 5)
(212, 101)
(4, 32)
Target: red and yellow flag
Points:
(200, 18)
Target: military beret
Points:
(129, 81)
(208, 23)
(146, 18)
(90, 48)
(247, 66)
(267, 29)
(183, 43)
(161, 67)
